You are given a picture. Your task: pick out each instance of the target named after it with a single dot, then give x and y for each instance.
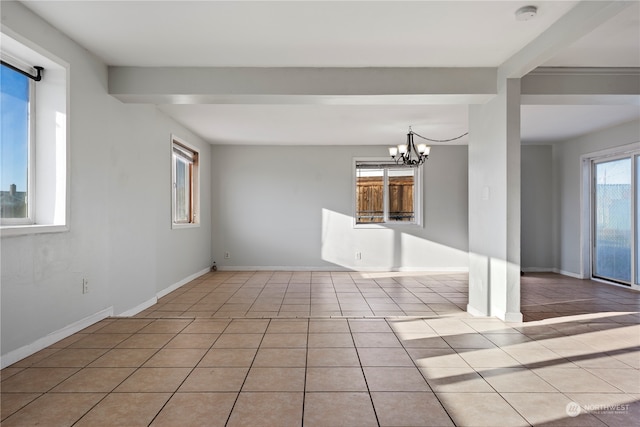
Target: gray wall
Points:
(537, 251)
(292, 207)
(120, 236)
(567, 187)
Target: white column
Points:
(494, 205)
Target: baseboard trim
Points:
(137, 309)
(181, 283)
(475, 312)
(569, 273)
(279, 268)
(552, 270)
(338, 268)
(44, 342)
(539, 270)
(510, 317)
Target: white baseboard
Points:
(151, 301)
(339, 268)
(137, 309)
(181, 283)
(510, 317)
(539, 270)
(568, 273)
(475, 312)
(44, 342)
(417, 269)
(279, 268)
(552, 270)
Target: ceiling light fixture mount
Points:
(411, 155)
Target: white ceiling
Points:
(342, 34)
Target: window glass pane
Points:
(14, 143)
(182, 189)
(369, 195)
(613, 220)
(401, 183)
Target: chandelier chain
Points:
(441, 140)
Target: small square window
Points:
(185, 173)
(386, 193)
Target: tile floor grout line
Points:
(561, 330)
(253, 360)
(366, 383)
(306, 370)
(189, 373)
(124, 379)
(444, 408)
(228, 298)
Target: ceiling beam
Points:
(357, 86)
(581, 86)
(579, 21)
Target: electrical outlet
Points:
(85, 286)
(227, 255)
(358, 255)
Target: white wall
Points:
(567, 187)
(292, 207)
(120, 236)
(537, 208)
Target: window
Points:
(16, 186)
(185, 174)
(34, 144)
(386, 193)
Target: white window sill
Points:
(387, 225)
(175, 226)
(24, 230)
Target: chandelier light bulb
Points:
(413, 155)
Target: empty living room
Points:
(320, 213)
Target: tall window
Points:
(34, 144)
(185, 183)
(15, 183)
(386, 193)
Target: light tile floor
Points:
(342, 349)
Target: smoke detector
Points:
(525, 13)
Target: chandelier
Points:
(411, 155)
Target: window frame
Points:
(194, 183)
(387, 164)
(49, 142)
(31, 149)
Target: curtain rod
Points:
(38, 69)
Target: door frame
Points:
(586, 217)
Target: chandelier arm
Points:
(441, 140)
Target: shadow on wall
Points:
(384, 248)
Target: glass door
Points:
(637, 223)
(613, 214)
